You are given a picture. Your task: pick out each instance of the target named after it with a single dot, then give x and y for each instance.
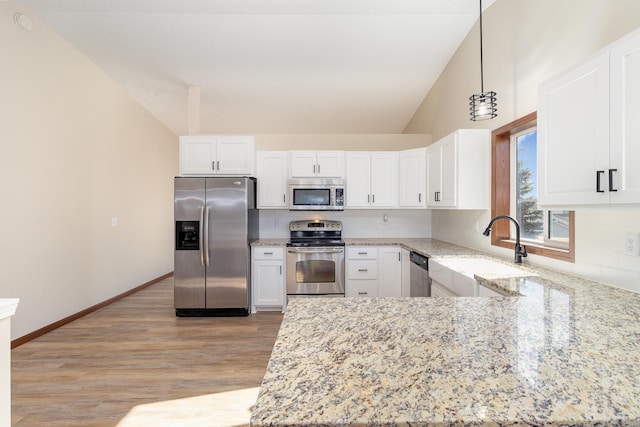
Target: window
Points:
(543, 227)
(514, 193)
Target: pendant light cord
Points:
(481, 62)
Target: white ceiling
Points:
(270, 66)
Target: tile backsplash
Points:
(274, 223)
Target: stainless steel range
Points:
(315, 259)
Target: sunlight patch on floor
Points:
(228, 409)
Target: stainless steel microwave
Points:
(316, 194)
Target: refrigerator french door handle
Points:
(200, 236)
(206, 235)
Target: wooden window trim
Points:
(501, 192)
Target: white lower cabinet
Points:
(267, 278)
(374, 271)
(389, 271)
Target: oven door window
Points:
(311, 197)
(315, 271)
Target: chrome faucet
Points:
(520, 250)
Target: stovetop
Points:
(315, 233)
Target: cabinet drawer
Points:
(267, 252)
(362, 252)
(362, 288)
(363, 269)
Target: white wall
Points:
(525, 43)
(76, 151)
(356, 223)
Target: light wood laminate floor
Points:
(133, 363)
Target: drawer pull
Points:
(363, 253)
(363, 269)
(363, 293)
(268, 253)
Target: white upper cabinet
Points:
(624, 147)
(371, 179)
(459, 167)
(589, 132)
(273, 175)
(413, 178)
(309, 164)
(216, 155)
(573, 135)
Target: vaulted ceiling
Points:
(269, 66)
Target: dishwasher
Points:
(419, 282)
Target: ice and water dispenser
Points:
(187, 235)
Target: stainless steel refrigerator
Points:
(215, 220)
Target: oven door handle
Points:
(315, 251)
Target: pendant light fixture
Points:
(482, 105)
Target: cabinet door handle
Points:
(218, 165)
(373, 198)
(363, 293)
(368, 198)
(281, 270)
(419, 197)
(611, 171)
(437, 196)
(363, 270)
(318, 169)
(598, 175)
(213, 165)
(314, 169)
(284, 198)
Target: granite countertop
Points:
(426, 246)
(270, 242)
(565, 351)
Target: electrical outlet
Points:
(114, 221)
(632, 244)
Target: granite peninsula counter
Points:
(564, 352)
